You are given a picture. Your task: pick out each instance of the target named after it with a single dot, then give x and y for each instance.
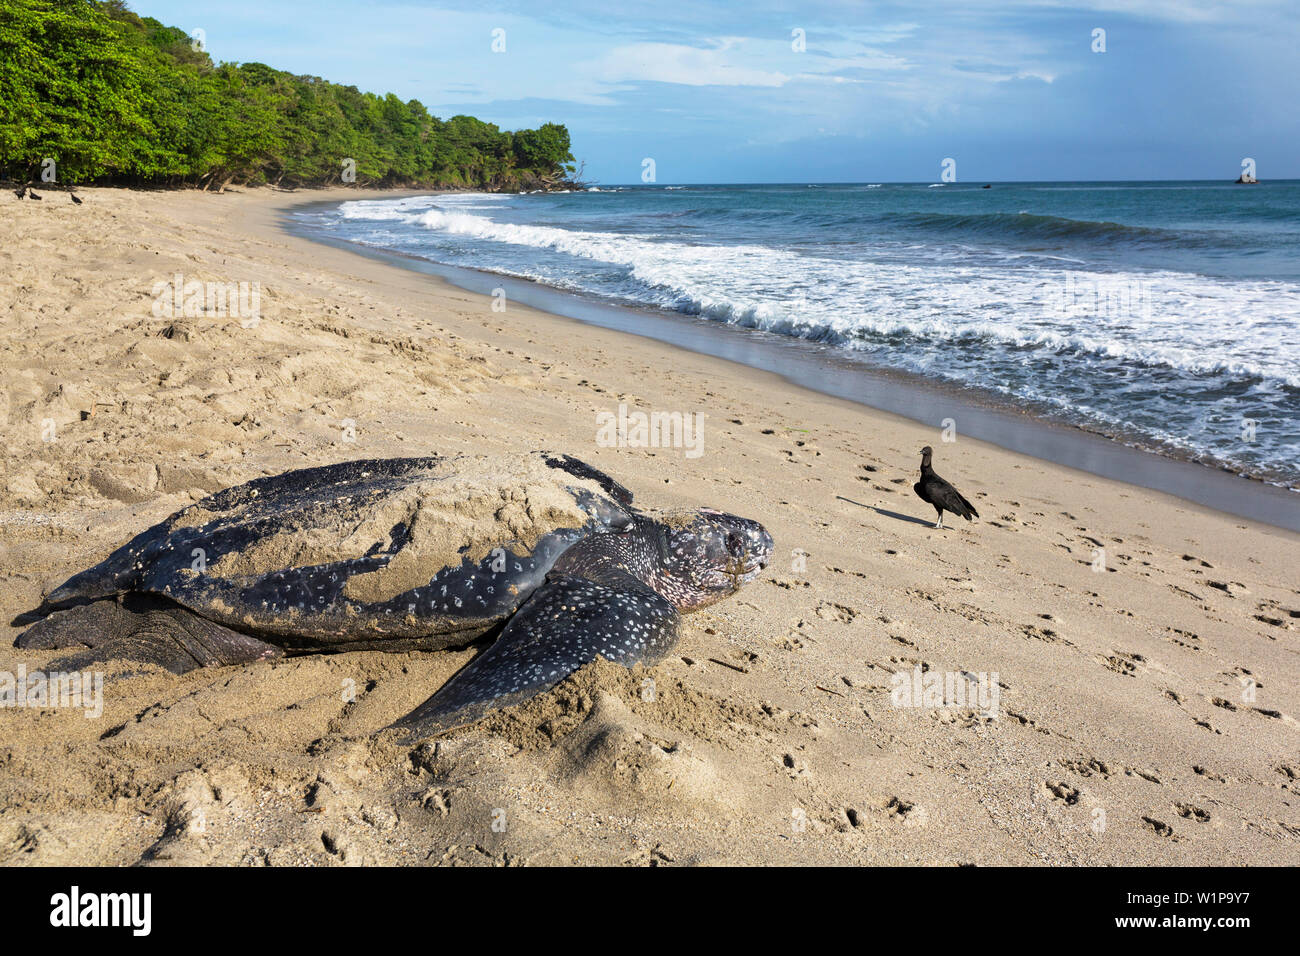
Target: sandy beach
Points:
(1145, 649)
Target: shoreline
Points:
(1145, 647)
(826, 370)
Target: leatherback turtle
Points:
(410, 554)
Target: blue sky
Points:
(718, 92)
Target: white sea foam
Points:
(1188, 323)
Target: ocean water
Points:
(1164, 315)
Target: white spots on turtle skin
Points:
(567, 623)
(613, 595)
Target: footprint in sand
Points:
(649, 857)
(829, 611)
(1121, 663)
(1064, 792)
(1159, 829)
(793, 641)
(789, 585)
(1230, 588)
(856, 574)
(905, 812)
(1089, 767)
(1044, 634)
(1275, 615)
(1182, 638)
(1189, 812)
(1275, 715)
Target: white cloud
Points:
(718, 65)
(737, 61)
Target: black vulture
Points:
(939, 493)
(75, 197)
(31, 193)
(20, 193)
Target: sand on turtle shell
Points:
(458, 509)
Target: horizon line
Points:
(979, 183)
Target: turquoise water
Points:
(1163, 314)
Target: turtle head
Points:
(707, 555)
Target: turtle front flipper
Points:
(580, 469)
(566, 623)
(153, 632)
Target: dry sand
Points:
(1126, 730)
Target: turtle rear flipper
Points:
(567, 623)
(117, 573)
(156, 632)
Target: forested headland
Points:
(115, 98)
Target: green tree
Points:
(114, 97)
